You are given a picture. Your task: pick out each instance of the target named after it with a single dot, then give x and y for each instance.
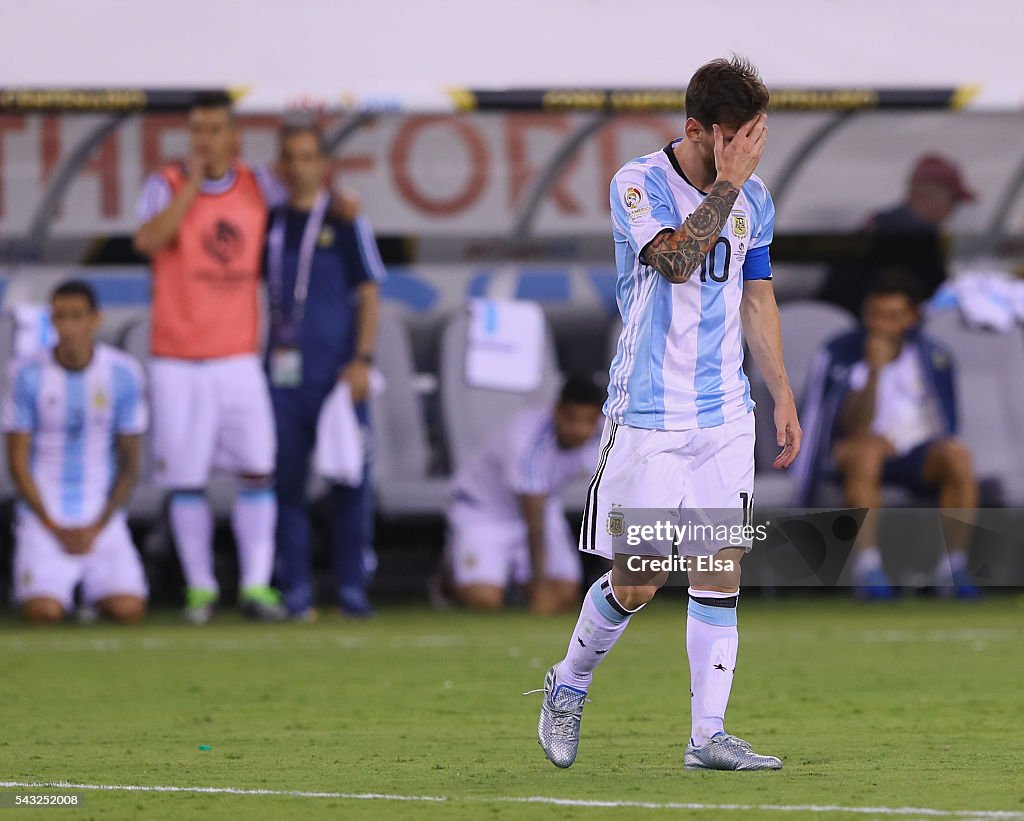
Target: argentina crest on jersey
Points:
(679, 358)
(729, 251)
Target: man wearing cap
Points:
(907, 237)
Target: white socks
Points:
(602, 620)
(253, 519)
(192, 529)
(711, 643)
(865, 560)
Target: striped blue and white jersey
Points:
(679, 360)
(523, 458)
(74, 417)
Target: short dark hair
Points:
(581, 390)
(77, 287)
(896, 281)
(213, 99)
(726, 92)
(304, 126)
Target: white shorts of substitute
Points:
(484, 550)
(208, 414)
(642, 474)
(43, 570)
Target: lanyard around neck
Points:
(275, 260)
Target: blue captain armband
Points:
(757, 265)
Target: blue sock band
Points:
(255, 488)
(720, 615)
(604, 600)
(255, 494)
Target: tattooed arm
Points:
(677, 254)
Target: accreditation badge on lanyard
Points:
(285, 354)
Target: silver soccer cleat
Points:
(726, 752)
(558, 729)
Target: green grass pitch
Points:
(917, 704)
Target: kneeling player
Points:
(506, 523)
(74, 418)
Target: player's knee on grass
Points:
(566, 596)
(123, 609)
(480, 596)
(42, 611)
(560, 597)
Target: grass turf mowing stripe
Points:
(1004, 815)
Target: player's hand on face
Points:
(737, 160)
(879, 351)
(788, 435)
(357, 374)
(196, 170)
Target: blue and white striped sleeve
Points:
(154, 198)
(368, 252)
(642, 204)
(131, 414)
(757, 264)
(18, 411)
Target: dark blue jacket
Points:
(829, 384)
(345, 256)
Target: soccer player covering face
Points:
(692, 228)
(74, 418)
(203, 226)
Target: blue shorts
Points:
(907, 470)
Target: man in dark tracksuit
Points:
(322, 270)
(881, 408)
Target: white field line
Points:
(86, 643)
(919, 812)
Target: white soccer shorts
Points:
(42, 569)
(208, 414)
(645, 473)
(483, 550)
